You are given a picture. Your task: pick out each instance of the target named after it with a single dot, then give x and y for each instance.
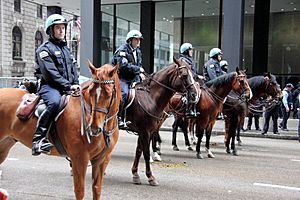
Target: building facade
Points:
(260, 36)
(22, 32)
(256, 35)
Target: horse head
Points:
(185, 81)
(271, 85)
(103, 96)
(241, 85)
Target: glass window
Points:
(248, 35)
(128, 18)
(201, 28)
(17, 43)
(167, 32)
(284, 40)
(38, 39)
(39, 11)
(74, 46)
(17, 5)
(107, 33)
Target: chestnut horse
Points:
(97, 105)
(152, 96)
(213, 94)
(235, 110)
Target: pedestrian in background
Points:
(287, 105)
(272, 111)
(295, 100)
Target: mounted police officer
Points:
(58, 75)
(186, 53)
(129, 58)
(224, 65)
(211, 68)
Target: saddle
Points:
(32, 106)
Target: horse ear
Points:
(245, 70)
(237, 70)
(175, 60)
(91, 66)
(114, 70)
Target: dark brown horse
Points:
(235, 109)
(100, 102)
(151, 98)
(213, 94)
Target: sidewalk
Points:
(218, 129)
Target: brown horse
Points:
(97, 106)
(235, 110)
(213, 94)
(151, 98)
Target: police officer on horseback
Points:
(186, 53)
(211, 68)
(129, 58)
(56, 68)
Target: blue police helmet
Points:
(54, 19)
(133, 34)
(215, 51)
(223, 62)
(185, 46)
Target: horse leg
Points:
(227, 134)
(234, 150)
(174, 130)
(98, 171)
(156, 151)
(184, 127)
(238, 138)
(146, 143)
(207, 143)
(134, 169)
(192, 132)
(79, 166)
(5, 145)
(199, 134)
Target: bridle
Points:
(86, 129)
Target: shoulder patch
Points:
(43, 54)
(57, 53)
(122, 53)
(211, 66)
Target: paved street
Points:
(265, 169)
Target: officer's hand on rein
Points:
(75, 90)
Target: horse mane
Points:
(259, 81)
(221, 80)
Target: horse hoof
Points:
(189, 148)
(175, 148)
(228, 151)
(153, 182)
(210, 155)
(156, 157)
(151, 159)
(234, 152)
(136, 180)
(199, 156)
(240, 143)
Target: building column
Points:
(233, 33)
(261, 37)
(90, 34)
(147, 29)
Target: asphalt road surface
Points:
(264, 169)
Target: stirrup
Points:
(43, 146)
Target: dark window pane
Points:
(17, 43)
(17, 5)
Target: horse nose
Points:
(96, 131)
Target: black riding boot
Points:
(39, 142)
(191, 110)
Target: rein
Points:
(106, 133)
